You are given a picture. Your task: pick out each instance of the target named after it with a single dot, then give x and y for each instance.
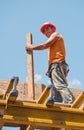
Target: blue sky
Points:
(19, 17)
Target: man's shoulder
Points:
(56, 34)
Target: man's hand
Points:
(29, 48)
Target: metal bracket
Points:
(13, 93)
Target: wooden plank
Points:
(58, 104)
(30, 127)
(9, 88)
(45, 94)
(79, 102)
(22, 113)
(24, 127)
(1, 123)
(30, 69)
(12, 85)
(11, 97)
(1, 96)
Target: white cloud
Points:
(75, 82)
(37, 77)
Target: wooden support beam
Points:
(30, 127)
(11, 97)
(1, 96)
(1, 124)
(23, 127)
(79, 102)
(30, 69)
(71, 129)
(1, 119)
(45, 94)
(41, 115)
(11, 89)
(27, 127)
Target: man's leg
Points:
(54, 95)
(60, 85)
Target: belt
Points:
(63, 62)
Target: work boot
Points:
(55, 96)
(51, 99)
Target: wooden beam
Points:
(45, 94)
(30, 127)
(27, 127)
(30, 69)
(79, 102)
(1, 117)
(1, 123)
(11, 87)
(23, 113)
(24, 127)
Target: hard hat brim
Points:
(45, 25)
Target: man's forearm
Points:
(40, 47)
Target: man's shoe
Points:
(50, 100)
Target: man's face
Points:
(48, 31)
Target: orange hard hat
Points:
(47, 24)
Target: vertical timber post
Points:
(30, 69)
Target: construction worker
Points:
(58, 68)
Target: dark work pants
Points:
(59, 91)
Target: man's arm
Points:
(53, 38)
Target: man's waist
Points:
(58, 62)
